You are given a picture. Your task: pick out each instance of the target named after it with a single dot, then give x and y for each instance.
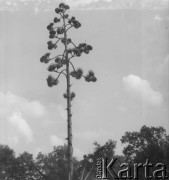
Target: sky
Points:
(130, 58)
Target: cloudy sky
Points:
(130, 57)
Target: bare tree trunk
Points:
(69, 115)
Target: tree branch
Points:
(39, 171)
(58, 37)
(66, 25)
(71, 57)
(56, 56)
(74, 44)
(69, 28)
(58, 40)
(72, 66)
(88, 173)
(63, 54)
(83, 172)
(61, 72)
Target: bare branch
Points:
(58, 37)
(69, 28)
(74, 44)
(43, 175)
(66, 25)
(61, 72)
(56, 56)
(71, 57)
(58, 40)
(63, 54)
(83, 172)
(72, 66)
(88, 174)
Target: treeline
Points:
(150, 143)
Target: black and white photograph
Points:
(84, 89)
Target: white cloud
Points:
(10, 103)
(20, 117)
(12, 141)
(15, 114)
(34, 108)
(157, 18)
(142, 89)
(56, 141)
(21, 124)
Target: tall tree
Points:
(23, 167)
(12, 167)
(54, 164)
(107, 150)
(150, 143)
(7, 163)
(62, 64)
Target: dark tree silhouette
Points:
(149, 143)
(62, 63)
(107, 150)
(23, 167)
(12, 167)
(7, 160)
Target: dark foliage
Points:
(149, 143)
